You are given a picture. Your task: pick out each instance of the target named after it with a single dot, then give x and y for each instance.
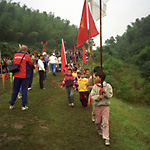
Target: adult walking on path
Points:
(41, 71)
(53, 62)
(59, 63)
(46, 60)
(21, 77)
(31, 74)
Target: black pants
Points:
(41, 75)
(31, 78)
(84, 98)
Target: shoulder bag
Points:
(16, 67)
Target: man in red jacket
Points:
(21, 77)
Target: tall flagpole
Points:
(1, 62)
(101, 62)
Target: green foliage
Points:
(125, 78)
(143, 61)
(131, 54)
(8, 49)
(133, 46)
(136, 37)
(25, 26)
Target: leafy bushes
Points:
(8, 49)
(125, 79)
(143, 61)
(128, 67)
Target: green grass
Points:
(50, 124)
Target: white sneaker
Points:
(107, 142)
(72, 104)
(24, 108)
(29, 88)
(93, 119)
(99, 132)
(19, 95)
(11, 107)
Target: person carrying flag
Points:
(101, 95)
(90, 84)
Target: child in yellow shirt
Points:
(82, 88)
(75, 72)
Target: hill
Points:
(133, 46)
(27, 26)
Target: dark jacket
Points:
(68, 81)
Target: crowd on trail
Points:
(4, 63)
(93, 89)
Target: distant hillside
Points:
(133, 46)
(25, 25)
(126, 62)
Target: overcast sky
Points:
(120, 13)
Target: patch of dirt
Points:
(44, 127)
(43, 124)
(5, 125)
(14, 138)
(4, 137)
(17, 126)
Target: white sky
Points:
(120, 13)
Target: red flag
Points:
(92, 28)
(19, 47)
(41, 42)
(63, 57)
(83, 54)
(83, 35)
(44, 49)
(74, 53)
(3, 77)
(46, 43)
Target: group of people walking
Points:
(94, 87)
(43, 63)
(76, 78)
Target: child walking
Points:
(87, 73)
(90, 84)
(82, 88)
(70, 83)
(66, 70)
(101, 95)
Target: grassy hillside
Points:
(50, 124)
(125, 78)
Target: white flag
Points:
(95, 6)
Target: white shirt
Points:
(59, 60)
(41, 65)
(53, 60)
